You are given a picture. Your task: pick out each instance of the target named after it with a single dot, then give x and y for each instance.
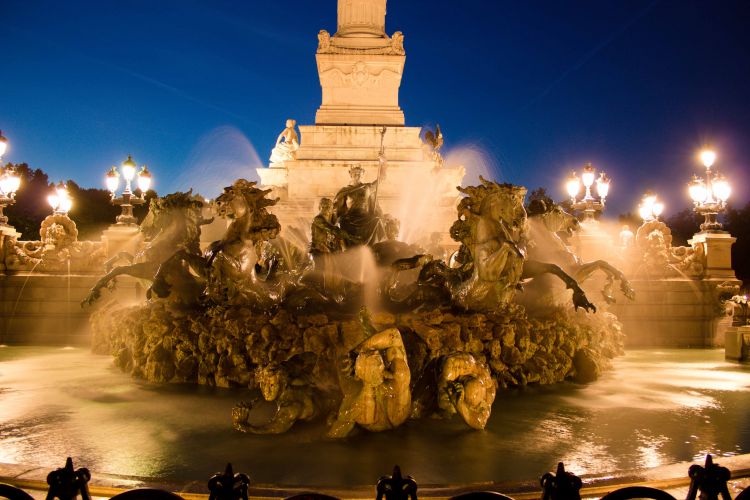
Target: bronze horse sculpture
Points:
(546, 222)
(172, 225)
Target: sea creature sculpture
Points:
(465, 386)
(294, 401)
(377, 394)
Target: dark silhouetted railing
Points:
(707, 482)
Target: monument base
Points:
(673, 313)
(737, 343)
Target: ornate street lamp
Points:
(589, 204)
(60, 200)
(709, 195)
(127, 200)
(650, 208)
(9, 182)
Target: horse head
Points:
(176, 208)
(243, 199)
(554, 218)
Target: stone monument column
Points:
(361, 18)
(360, 68)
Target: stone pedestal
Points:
(360, 68)
(360, 89)
(10, 232)
(121, 238)
(415, 190)
(717, 247)
(673, 313)
(737, 343)
(593, 243)
(45, 309)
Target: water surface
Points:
(654, 408)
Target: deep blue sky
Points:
(190, 87)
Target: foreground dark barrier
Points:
(707, 482)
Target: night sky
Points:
(194, 88)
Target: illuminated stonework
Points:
(360, 69)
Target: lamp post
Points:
(127, 200)
(589, 204)
(650, 208)
(709, 195)
(60, 200)
(9, 183)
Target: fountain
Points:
(357, 296)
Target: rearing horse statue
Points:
(491, 262)
(171, 225)
(545, 222)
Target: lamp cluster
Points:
(709, 195)
(60, 199)
(650, 208)
(127, 200)
(589, 204)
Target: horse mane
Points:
(477, 194)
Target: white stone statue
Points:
(357, 17)
(287, 144)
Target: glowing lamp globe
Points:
(697, 190)
(657, 209)
(66, 204)
(721, 188)
(602, 185)
(573, 185)
(4, 185)
(3, 143)
(644, 212)
(9, 182)
(588, 175)
(14, 182)
(128, 169)
(53, 200)
(708, 158)
(144, 179)
(60, 200)
(113, 180)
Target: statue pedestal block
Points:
(737, 343)
(675, 312)
(415, 190)
(121, 238)
(10, 232)
(593, 243)
(717, 247)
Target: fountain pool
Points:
(655, 407)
